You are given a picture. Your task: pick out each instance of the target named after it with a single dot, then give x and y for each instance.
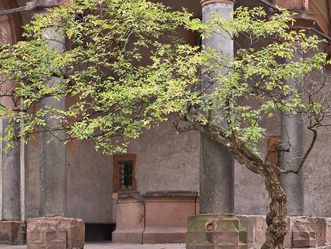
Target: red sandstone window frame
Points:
(273, 144)
(117, 160)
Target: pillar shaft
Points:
(11, 195)
(293, 138)
(53, 151)
(293, 131)
(216, 173)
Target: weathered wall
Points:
(166, 160)
(251, 196)
(89, 183)
(317, 175)
(317, 170)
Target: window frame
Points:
(117, 160)
(273, 155)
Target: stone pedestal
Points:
(256, 227)
(55, 232)
(156, 217)
(214, 231)
(130, 218)
(166, 214)
(12, 232)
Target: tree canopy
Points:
(126, 67)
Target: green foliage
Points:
(126, 67)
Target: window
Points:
(273, 149)
(124, 169)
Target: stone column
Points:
(293, 131)
(292, 134)
(53, 151)
(216, 175)
(11, 195)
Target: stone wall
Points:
(89, 183)
(317, 175)
(167, 160)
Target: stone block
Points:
(12, 232)
(55, 233)
(300, 233)
(215, 231)
(320, 226)
(256, 227)
(130, 218)
(166, 214)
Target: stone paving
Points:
(127, 246)
(112, 246)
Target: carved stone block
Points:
(215, 232)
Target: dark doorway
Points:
(99, 232)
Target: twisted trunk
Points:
(277, 216)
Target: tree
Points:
(127, 69)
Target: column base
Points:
(215, 231)
(128, 236)
(164, 235)
(256, 227)
(55, 232)
(12, 232)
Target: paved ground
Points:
(114, 246)
(123, 246)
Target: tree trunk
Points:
(277, 216)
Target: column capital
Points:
(206, 2)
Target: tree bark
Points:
(277, 217)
